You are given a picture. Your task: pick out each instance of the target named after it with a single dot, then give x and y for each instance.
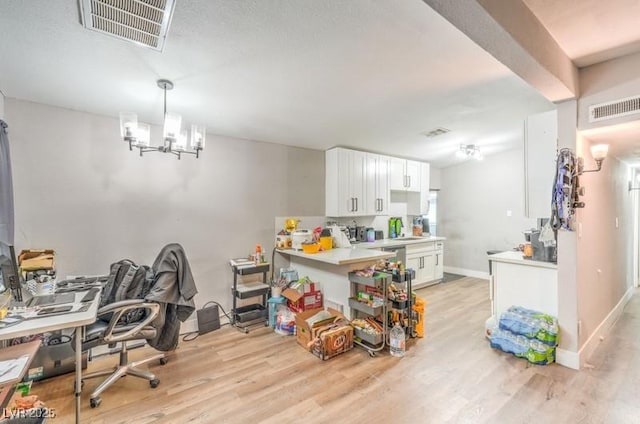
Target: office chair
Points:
(110, 331)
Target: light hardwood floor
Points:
(450, 376)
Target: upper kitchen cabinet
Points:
(540, 147)
(418, 203)
(345, 177)
(377, 184)
(405, 175)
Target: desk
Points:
(12, 352)
(45, 324)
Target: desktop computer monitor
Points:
(10, 278)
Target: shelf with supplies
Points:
(245, 316)
(369, 309)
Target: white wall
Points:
(604, 249)
(611, 80)
(1, 106)
(79, 190)
(473, 205)
(435, 177)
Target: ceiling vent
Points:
(615, 109)
(143, 22)
(435, 132)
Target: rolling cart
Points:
(403, 309)
(379, 281)
(243, 317)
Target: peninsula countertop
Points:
(400, 241)
(515, 257)
(341, 255)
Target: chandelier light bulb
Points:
(143, 135)
(128, 126)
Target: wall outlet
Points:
(509, 213)
(579, 327)
(617, 224)
(579, 229)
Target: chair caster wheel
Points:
(372, 354)
(163, 361)
(95, 402)
(154, 383)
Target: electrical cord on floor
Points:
(194, 334)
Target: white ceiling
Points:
(591, 31)
(365, 74)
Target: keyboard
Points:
(91, 294)
(52, 299)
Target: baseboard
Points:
(568, 359)
(598, 335)
(467, 272)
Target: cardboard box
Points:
(326, 338)
(33, 260)
(299, 302)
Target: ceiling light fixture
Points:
(138, 134)
(598, 153)
(469, 151)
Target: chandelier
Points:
(138, 134)
(469, 151)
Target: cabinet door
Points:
(357, 180)
(429, 266)
(412, 172)
(425, 179)
(397, 177)
(382, 187)
(346, 201)
(415, 263)
(438, 270)
(540, 146)
(373, 204)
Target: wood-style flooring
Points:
(450, 376)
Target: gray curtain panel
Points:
(6, 188)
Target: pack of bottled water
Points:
(527, 334)
(531, 324)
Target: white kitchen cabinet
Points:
(377, 185)
(405, 175)
(418, 203)
(427, 261)
(540, 147)
(345, 177)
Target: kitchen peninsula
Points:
(331, 268)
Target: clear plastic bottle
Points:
(397, 342)
(258, 256)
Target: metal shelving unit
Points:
(243, 317)
(371, 342)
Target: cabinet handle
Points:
(437, 259)
(409, 185)
(381, 205)
(405, 181)
(356, 204)
(351, 209)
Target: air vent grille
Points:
(615, 109)
(144, 22)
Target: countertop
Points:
(401, 241)
(515, 257)
(341, 256)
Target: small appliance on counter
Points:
(300, 236)
(371, 234)
(426, 230)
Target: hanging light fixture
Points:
(469, 151)
(138, 134)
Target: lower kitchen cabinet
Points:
(427, 261)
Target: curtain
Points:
(6, 188)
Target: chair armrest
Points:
(122, 307)
(115, 305)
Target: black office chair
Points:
(111, 330)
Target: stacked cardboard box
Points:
(325, 337)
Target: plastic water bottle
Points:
(396, 347)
